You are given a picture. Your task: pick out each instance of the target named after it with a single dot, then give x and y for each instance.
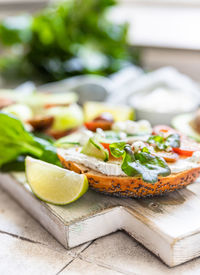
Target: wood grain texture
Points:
(169, 226)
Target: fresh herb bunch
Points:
(73, 37)
(16, 141)
(142, 163)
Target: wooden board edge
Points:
(86, 229)
(186, 249)
(38, 209)
(147, 236)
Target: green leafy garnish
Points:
(16, 141)
(163, 143)
(65, 39)
(17, 165)
(142, 163)
(117, 149)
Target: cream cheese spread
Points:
(113, 168)
(109, 168)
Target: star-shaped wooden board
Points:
(169, 226)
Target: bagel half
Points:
(133, 187)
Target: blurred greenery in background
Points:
(70, 38)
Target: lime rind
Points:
(53, 184)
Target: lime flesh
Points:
(53, 184)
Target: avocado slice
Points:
(182, 124)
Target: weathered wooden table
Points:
(27, 248)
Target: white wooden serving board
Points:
(169, 226)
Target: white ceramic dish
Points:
(156, 115)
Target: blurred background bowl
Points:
(161, 104)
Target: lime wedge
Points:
(53, 184)
(93, 109)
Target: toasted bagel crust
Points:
(41, 123)
(132, 186)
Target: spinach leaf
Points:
(17, 165)
(163, 143)
(16, 141)
(142, 163)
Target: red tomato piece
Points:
(106, 146)
(187, 148)
(163, 129)
(93, 125)
(168, 156)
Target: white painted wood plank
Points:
(38, 209)
(169, 226)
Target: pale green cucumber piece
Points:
(69, 141)
(94, 149)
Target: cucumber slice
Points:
(94, 149)
(69, 141)
(182, 124)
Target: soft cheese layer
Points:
(113, 168)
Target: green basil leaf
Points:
(117, 149)
(142, 163)
(154, 165)
(145, 165)
(145, 149)
(159, 141)
(162, 143)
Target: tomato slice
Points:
(168, 156)
(163, 129)
(93, 125)
(187, 148)
(106, 146)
